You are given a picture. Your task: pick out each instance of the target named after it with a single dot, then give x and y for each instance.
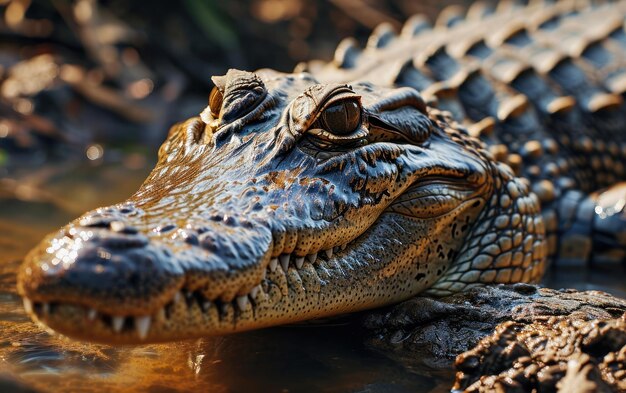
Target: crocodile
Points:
(435, 160)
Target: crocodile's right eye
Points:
(215, 102)
(340, 123)
(342, 118)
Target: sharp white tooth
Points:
(284, 261)
(329, 253)
(299, 262)
(312, 257)
(45, 307)
(142, 324)
(242, 302)
(92, 314)
(28, 306)
(273, 264)
(255, 291)
(178, 297)
(118, 323)
(343, 246)
(264, 274)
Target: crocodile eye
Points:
(215, 102)
(342, 118)
(340, 124)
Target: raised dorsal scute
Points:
(382, 36)
(415, 25)
(450, 16)
(347, 53)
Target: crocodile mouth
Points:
(289, 285)
(284, 276)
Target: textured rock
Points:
(431, 332)
(564, 354)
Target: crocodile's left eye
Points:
(215, 102)
(340, 122)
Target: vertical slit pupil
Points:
(353, 115)
(343, 117)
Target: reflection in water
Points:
(313, 358)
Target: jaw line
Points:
(213, 318)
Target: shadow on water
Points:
(321, 357)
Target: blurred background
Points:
(96, 82)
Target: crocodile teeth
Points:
(284, 262)
(178, 297)
(273, 264)
(142, 324)
(254, 291)
(312, 257)
(118, 323)
(299, 262)
(329, 253)
(45, 307)
(28, 306)
(242, 301)
(343, 246)
(92, 314)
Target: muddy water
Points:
(322, 358)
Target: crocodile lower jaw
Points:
(214, 315)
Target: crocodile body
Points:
(433, 161)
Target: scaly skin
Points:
(297, 196)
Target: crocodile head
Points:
(285, 200)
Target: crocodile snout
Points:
(100, 261)
(118, 264)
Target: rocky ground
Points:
(511, 338)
